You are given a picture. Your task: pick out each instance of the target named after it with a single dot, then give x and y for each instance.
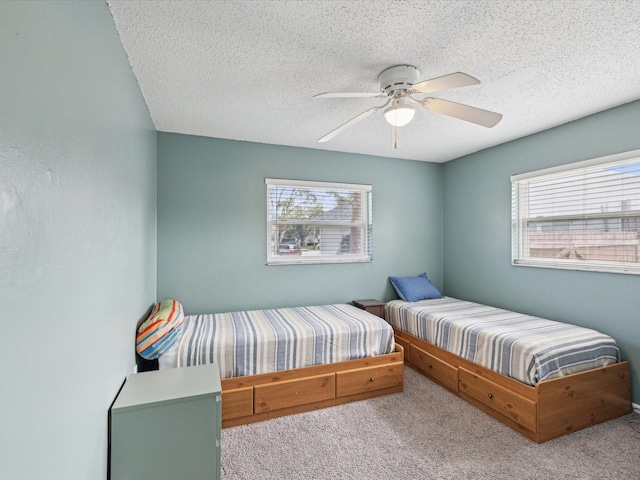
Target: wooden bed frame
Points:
(260, 397)
(549, 410)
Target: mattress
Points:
(262, 341)
(523, 347)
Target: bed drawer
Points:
(511, 405)
(237, 402)
(289, 393)
(441, 372)
(369, 378)
(403, 342)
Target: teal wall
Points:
(77, 234)
(477, 233)
(80, 263)
(212, 224)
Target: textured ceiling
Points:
(247, 70)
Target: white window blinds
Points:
(318, 222)
(581, 216)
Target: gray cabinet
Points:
(166, 424)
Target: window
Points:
(317, 222)
(581, 216)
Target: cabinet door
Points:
(168, 441)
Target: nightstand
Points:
(165, 424)
(375, 307)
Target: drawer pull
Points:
(491, 395)
(429, 365)
(371, 379)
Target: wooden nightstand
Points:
(375, 307)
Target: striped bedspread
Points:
(529, 349)
(261, 341)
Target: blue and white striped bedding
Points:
(526, 348)
(261, 341)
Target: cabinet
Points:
(375, 307)
(165, 424)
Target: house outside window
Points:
(318, 222)
(581, 216)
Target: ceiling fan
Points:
(400, 84)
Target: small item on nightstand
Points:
(375, 307)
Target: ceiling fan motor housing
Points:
(399, 77)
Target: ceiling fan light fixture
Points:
(399, 113)
(398, 84)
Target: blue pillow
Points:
(412, 289)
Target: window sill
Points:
(316, 260)
(602, 267)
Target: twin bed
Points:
(542, 378)
(282, 361)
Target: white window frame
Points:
(365, 224)
(520, 219)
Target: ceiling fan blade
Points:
(350, 95)
(467, 113)
(350, 123)
(453, 80)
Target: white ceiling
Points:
(247, 70)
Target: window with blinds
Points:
(581, 216)
(318, 222)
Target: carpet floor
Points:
(425, 432)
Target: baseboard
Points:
(636, 407)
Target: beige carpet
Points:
(423, 433)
